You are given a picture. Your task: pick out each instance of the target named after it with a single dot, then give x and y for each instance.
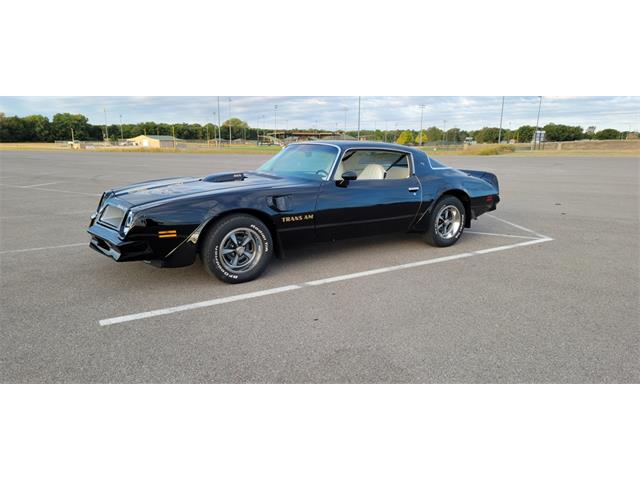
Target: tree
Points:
(237, 128)
(524, 134)
(562, 133)
(487, 135)
(63, 123)
(424, 139)
(13, 129)
(608, 134)
(39, 128)
(405, 138)
(434, 134)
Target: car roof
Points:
(347, 144)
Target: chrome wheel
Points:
(448, 222)
(240, 250)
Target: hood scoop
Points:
(225, 177)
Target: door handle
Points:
(414, 189)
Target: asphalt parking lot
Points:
(560, 310)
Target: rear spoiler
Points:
(486, 176)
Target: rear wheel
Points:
(446, 222)
(237, 249)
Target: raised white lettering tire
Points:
(237, 248)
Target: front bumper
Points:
(108, 242)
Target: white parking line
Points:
(515, 225)
(44, 248)
(500, 235)
(38, 185)
(323, 281)
(192, 306)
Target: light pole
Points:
(275, 123)
(535, 132)
(106, 128)
(500, 131)
(229, 121)
(421, 116)
(344, 133)
(216, 135)
(358, 118)
(219, 130)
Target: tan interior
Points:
(373, 165)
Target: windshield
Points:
(310, 161)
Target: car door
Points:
(372, 204)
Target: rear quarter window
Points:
(436, 165)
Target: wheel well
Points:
(263, 217)
(466, 201)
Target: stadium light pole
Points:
(358, 118)
(421, 117)
(275, 122)
(215, 123)
(344, 134)
(535, 132)
(106, 128)
(219, 130)
(500, 130)
(229, 99)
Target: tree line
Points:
(38, 128)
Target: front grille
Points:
(112, 216)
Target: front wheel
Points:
(237, 249)
(446, 222)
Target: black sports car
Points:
(308, 192)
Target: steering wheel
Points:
(318, 172)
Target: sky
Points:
(328, 113)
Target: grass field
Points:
(595, 148)
(233, 149)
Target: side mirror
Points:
(346, 178)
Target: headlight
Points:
(128, 223)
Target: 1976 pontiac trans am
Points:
(316, 191)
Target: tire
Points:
(237, 249)
(446, 222)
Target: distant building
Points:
(154, 141)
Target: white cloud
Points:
(326, 112)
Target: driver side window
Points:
(374, 165)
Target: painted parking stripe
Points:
(193, 306)
(394, 268)
(313, 283)
(500, 235)
(44, 248)
(38, 185)
(515, 225)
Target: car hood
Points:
(166, 189)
